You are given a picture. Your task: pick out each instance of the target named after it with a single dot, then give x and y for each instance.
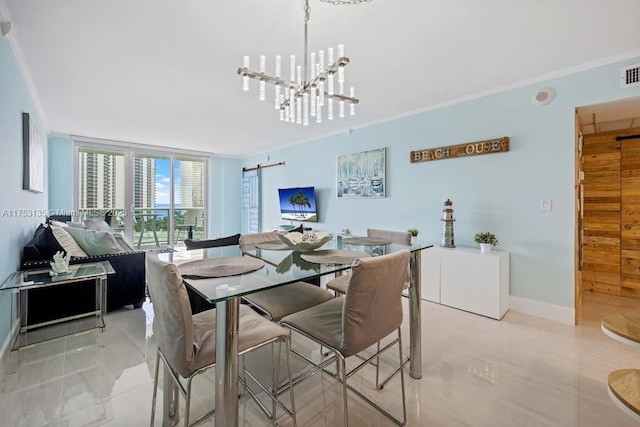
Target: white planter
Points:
(414, 239)
(485, 248)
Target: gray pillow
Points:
(98, 225)
(95, 242)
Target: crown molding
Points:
(12, 39)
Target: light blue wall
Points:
(20, 211)
(498, 192)
(60, 174)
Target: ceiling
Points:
(610, 116)
(163, 72)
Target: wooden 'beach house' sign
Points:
(488, 146)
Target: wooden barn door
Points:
(630, 215)
(611, 243)
(601, 242)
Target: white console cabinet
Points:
(464, 278)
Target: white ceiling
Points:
(163, 72)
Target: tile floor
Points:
(521, 371)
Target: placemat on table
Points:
(367, 241)
(333, 256)
(219, 267)
(274, 245)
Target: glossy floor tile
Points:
(521, 371)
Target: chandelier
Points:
(312, 87)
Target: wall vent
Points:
(630, 76)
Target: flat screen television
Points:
(298, 204)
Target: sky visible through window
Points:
(163, 183)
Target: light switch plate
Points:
(545, 205)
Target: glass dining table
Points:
(281, 267)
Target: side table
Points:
(624, 384)
(22, 282)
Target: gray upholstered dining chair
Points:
(278, 302)
(370, 311)
(339, 285)
(187, 343)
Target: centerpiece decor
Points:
(305, 242)
(60, 264)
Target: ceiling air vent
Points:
(630, 76)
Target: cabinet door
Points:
(471, 281)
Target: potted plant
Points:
(414, 234)
(486, 239)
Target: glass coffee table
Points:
(23, 282)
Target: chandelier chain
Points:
(307, 11)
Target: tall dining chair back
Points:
(339, 284)
(278, 302)
(192, 219)
(398, 237)
(370, 311)
(186, 342)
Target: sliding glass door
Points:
(155, 199)
(190, 196)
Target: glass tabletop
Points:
(42, 277)
(281, 267)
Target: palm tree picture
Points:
(298, 204)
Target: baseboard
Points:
(542, 309)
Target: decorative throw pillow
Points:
(67, 242)
(122, 242)
(98, 225)
(95, 242)
(45, 242)
(76, 224)
(58, 223)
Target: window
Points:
(157, 199)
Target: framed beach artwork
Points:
(33, 156)
(361, 175)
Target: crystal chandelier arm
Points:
(245, 72)
(344, 98)
(331, 69)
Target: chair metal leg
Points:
(155, 388)
(171, 407)
(293, 405)
(404, 401)
(275, 378)
(187, 404)
(378, 386)
(344, 391)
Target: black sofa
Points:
(125, 287)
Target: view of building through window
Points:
(102, 188)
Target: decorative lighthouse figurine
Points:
(447, 225)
